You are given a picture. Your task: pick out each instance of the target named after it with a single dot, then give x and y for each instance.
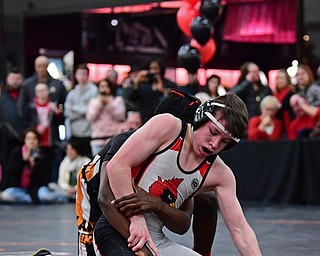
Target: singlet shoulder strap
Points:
(182, 135)
(144, 165)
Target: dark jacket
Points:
(192, 89)
(58, 91)
(10, 117)
(40, 176)
(251, 97)
(147, 98)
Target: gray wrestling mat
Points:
(281, 230)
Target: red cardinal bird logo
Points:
(166, 190)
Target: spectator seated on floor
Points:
(69, 170)
(30, 174)
(266, 126)
(306, 118)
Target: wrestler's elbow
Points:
(111, 168)
(179, 227)
(182, 230)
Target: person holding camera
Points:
(149, 88)
(106, 113)
(30, 173)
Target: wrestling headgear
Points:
(180, 104)
(206, 111)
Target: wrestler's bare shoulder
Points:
(219, 174)
(164, 123)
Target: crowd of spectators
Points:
(92, 113)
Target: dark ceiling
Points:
(40, 7)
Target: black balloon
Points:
(189, 58)
(201, 29)
(211, 9)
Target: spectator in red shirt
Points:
(266, 126)
(46, 116)
(283, 92)
(306, 118)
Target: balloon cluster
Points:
(195, 19)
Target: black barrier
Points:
(281, 172)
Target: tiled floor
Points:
(281, 230)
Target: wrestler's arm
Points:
(176, 220)
(156, 134)
(223, 180)
(153, 136)
(116, 219)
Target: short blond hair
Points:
(271, 101)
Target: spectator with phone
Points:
(149, 88)
(106, 113)
(250, 88)
(57, 89)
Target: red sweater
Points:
(284, 115)
(255, 134)
(300, 123)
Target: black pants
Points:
(109, 242)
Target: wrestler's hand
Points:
(137, 203)
(139, 234)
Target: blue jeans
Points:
(20, 195)
(16, 195)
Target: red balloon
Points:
(206, 51)
(185, 15)
(192, 2)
